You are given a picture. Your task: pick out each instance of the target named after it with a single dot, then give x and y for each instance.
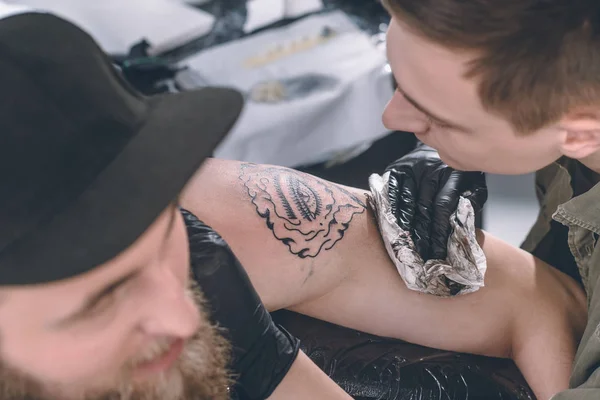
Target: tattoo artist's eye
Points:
(437, 124)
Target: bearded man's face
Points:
(133, 328)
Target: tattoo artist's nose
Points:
(400, 115)
(170, 309)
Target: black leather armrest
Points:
(370, 367)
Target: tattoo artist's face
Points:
(431, 82)
(145, 338)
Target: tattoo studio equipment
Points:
(315, 86)
(314, 89)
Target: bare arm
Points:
(313, 246)
(306, 381)
(283, 225)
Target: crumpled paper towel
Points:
(461, 273)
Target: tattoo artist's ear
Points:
(580, 137)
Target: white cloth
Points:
(118, 24)
(265, 12)
(314, 88)
(461, 273)
(7, 10)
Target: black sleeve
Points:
(262, 351)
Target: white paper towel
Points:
(464, 269)
(265, 12)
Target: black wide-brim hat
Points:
(87, 164)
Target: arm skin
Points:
(527, 311)
(306, 381)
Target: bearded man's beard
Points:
(199, 374)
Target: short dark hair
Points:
(536, 61)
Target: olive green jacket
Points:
(581, 215)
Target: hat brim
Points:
(181, 130)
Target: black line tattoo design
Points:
(305, 213)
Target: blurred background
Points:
(313, 72)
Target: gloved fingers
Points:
(475, 189)
(393, 192)
(419, 159)
(445, 205)
(420, 173)
(478, 198)
(422, 226)
(402, 190)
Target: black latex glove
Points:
(262, 351)
(424, 192)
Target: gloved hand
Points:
(424, 192)
(262, 351)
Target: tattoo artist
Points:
(514, 92)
